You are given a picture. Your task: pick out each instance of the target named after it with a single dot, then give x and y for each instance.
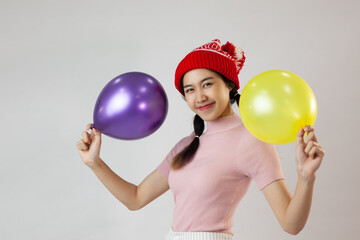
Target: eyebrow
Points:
(189, 85)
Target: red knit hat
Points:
(227, 60)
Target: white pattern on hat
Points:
(228, 50)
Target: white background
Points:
(56, 56)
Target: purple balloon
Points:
(131, 106)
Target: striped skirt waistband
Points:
(197, 236)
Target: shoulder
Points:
(241, 135)
(248, 145)
(183, 142)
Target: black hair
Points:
(187, 154)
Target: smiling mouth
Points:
(206, 106)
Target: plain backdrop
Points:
(56, 56)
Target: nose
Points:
(200, 96)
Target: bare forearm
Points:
(124, 191)
(299, 207)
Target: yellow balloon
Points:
(275, 104)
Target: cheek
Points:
(189, 101)
(224, 96)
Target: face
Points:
(207, 94)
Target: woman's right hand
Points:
(89, 146)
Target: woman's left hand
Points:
(308, 154)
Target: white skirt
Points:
(197, 236)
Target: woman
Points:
(210, 172)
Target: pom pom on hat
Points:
(236, 52)
(227, 60)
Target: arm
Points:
(292, 211)
(151, 188)
(132, 196)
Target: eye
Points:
(188, 90)
(207, 84)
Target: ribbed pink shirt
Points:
(208, 189)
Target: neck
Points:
(227, 112)
(223, 123)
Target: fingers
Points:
(94, 133)
(316, 151)
(86, 140)
(310, 134)
(309, 128)
(86, 137)
(82, 146)
(310, 146)
(300, 136)
(97, 134)
(310, 137)
(88, 126)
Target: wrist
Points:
(306, 178)
(93, 165)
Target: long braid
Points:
(186, 155)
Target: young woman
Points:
(209, 172)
